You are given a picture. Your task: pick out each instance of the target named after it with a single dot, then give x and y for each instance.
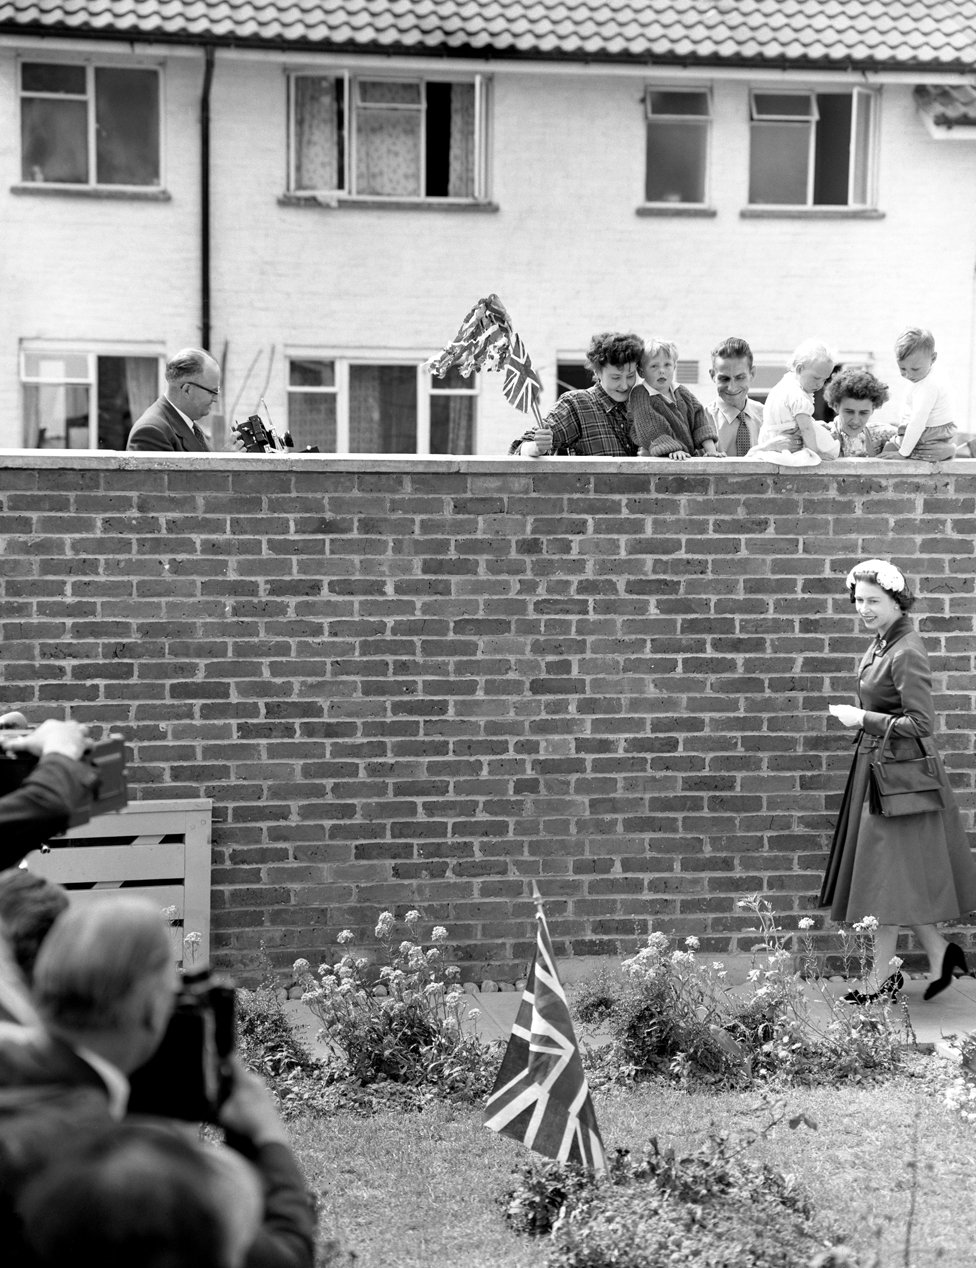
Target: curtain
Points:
(141, 383)
(388, 141)
(316, 134)
(460, 183)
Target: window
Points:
(678, 122)
(387, 138)
(89, 125)
(78, 400)
(360, 406)
(811, 149)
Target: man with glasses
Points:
(170, 423)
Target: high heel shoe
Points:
(886, 992)
(953, 965)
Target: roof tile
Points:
(912, 33)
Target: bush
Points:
(714, 1208)
(674, 1015)
(407, 1028)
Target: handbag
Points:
(905, 786)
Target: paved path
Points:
(934, 1022)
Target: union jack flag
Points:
(487, 341)
(541, 1095)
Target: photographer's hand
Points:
(249, 1111)
(69, 739)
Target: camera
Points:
(259, 438)
(189, 1075)
(106, 757)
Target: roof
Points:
(899, 34)
(948, 106)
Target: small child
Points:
(788, 423)
(927, 429)
(669, 422)
(855, 395)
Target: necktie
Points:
(743, 441)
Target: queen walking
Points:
(914, 870)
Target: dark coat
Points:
(914, 870)
(51, 1099)
(40, 808)
(162, 428)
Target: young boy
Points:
(788, 422)
(927, 429)
(594, 420)
(734, 416)
(669, 422)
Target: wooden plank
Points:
(162, 896)
(100, 863)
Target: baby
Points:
(788, 423)
(927, 429)
(669, 422)
(855, 395)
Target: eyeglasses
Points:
(214, 393)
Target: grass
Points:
(419, 1190)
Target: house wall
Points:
(565, 249)
(421, 683)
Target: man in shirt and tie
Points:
(737, 419)
(170, 423)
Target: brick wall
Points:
(407, 683)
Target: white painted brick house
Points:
(695, 170)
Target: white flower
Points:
(868, 925)
(192, 939)
(896, 962)
(411, 917)
(473, 1013)
(754, 975)
(889, 578)
(384, 924)
(692, 944)
(301, 966)
(438, 934)
(345, 936)
(806, 923)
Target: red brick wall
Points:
(412, 683)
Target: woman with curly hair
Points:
(855, 395)
(913, 869)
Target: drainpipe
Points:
(205, 198)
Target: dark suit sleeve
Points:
(287, 1235)
(40, 808)
(149, 436)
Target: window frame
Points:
(862, 100)
(350, 81)
(91, 353)
(90, 65)
(427, 386)
(707, 120)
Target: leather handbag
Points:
(905, 786)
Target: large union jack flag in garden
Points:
(486, 340)
(541, 1095)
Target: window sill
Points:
(128, 193)
(675, 209)
(811, 213)
(328, 203)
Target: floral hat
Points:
(887, 575)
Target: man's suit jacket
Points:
(40, 808)
(162, 428)
(51, 1099)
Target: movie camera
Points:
(261, 437)
(106, 757)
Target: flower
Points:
(384, 924)
(806, 923)
(473, 1013)
(300, 967)
(411, 917)
(692, 944)
(171, 913)
(438, 934)
(192, 939)
(345, 936)
(869, 924)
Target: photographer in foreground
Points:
(104, 988)
(59, 785)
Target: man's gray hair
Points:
(186, 364)
(97, 958)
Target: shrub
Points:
(714, 1208)
(405, 1030)
(675, 1015)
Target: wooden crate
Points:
(160, 849)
